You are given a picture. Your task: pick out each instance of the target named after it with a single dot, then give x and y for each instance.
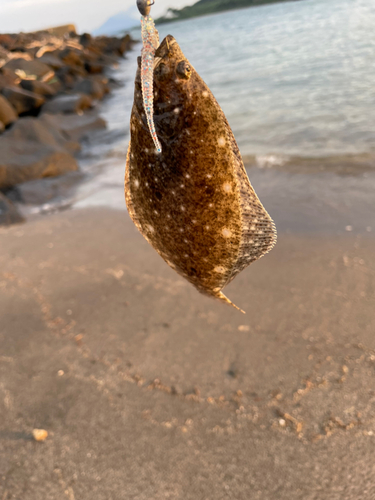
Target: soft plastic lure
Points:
(150, 39)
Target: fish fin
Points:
(222, 297)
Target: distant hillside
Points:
(204, 7)
(119, 23)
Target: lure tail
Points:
(150, 38)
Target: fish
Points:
(193, 202)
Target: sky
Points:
(31, 15)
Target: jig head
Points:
(144, 6)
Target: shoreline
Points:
(342, 165)
(299, 203)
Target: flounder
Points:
(193, 202)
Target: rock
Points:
(20, 42)
(39, 130)
(8, 114)
(34, 68)
(18, 50)
(40, 434)
(59, 134)
(73, 147)
(8, 78)
(32, 51)
(31, 129)
(6, 41)
(75, 71)
(41, 88)
(114, 84)
(2, 127)
(93, 52)
(51, 60)
(94, 67)
(56, 85)
(4, 55)
(30, 151)
(70, 103)
(91, 88)
(72, 57)
(66, 77)
(103, 82)
(75, 127)
(109, 60)
(85, 40)
(41, 191)
(60, 31)
(113, 45)
(23, 101)
(8, 212)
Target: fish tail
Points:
(222, 297)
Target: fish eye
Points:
(183, 70)
(161, 72)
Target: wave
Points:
(350, 164)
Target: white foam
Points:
(269, 161)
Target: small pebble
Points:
(78, 338)
(348, 228)
(243, 328)
(40, 434)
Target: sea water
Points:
(296, 81)
(293, 78)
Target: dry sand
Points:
(149, 390)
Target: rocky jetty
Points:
(50, 82)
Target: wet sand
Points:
(149, 390)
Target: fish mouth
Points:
(163, 49)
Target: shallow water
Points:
(295, 80)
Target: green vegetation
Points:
(204, 7)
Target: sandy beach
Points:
(149, 390)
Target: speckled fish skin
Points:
(193, 202)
